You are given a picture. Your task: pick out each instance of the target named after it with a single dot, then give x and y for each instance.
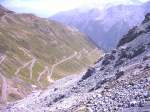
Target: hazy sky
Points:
(45, 8)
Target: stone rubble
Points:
(119, 82)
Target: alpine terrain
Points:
(118, 82)
(105, 26)
(34, 52)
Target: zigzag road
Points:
(29, 64)
(53, 67)
(60, 62)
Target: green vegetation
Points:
(25, 37)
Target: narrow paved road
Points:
(60, 62)
(26, 52)
(31, 67)
(24, 66)
(46, 69)
(29, 64)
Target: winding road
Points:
(46, 69)
(31, 67)
(62, 61)
(29, 64)
(42, 73)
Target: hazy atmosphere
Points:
(74, 55)
(45, 8)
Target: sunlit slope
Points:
(35, 51)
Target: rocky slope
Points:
(119, 82)
(105, 25)
(34, 52)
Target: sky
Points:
(46, 8)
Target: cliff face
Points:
(136, 31)
(119, 82)
(34, 52)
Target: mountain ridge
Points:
(31, 49)
(118, 82)
(105, 25)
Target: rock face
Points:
(119, 82)
(34, 52)
(105, 27)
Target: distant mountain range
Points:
(34, 52)
(105, 27)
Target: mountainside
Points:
(105, 27)
(118, 82)
(34, 52)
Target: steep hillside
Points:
(119, 82)
(105, 27)
(34, 52)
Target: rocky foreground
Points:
(119, 82)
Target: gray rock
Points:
(122, 88)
